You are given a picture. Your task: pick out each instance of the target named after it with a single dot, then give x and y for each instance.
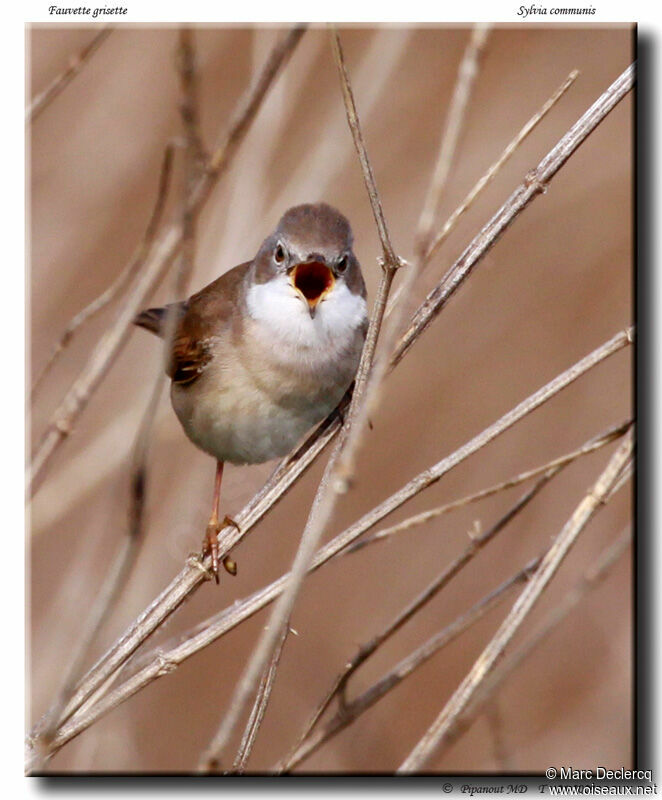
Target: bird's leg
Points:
(210, 542)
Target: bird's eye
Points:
(341, 266)
(279, 254)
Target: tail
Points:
(153, 319)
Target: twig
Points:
(58, 84)
(348, 713)
(328, 489)
(466, 75)
(437, 732)
(133, 266)
(425, 516)
(391, 260)
(260, 706)
(534, 184)
(207, 632)
(161, 254)
(491, 173)
(591, 579)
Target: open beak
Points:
(313, 280)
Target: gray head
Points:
(312, 247)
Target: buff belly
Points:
(243, 424)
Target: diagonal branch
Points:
(61, 81)
(596, 496)
(425, 516)
(466, 76)
(129, 271)
(590, 580)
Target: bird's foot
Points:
(210, 545)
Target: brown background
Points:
(555, 287)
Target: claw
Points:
(210, 544)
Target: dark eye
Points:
(342, 264)
(279, 254)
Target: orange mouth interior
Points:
(313, 280)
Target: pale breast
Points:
(255, 402)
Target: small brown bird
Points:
(267, 350)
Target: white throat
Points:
(284, 317)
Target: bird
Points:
(267, 350)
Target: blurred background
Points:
(557, 285)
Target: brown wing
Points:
(203, 317)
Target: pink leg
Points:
(210, 542)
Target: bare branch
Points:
(339, 686)
(58, 84)
(493, 682)
(260, 706)
(437, 732)
(491, 173)
(161, 255)
(391, 260)
(466, 76)
(425, 516)
(124, 561)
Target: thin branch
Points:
(328, 489)
(466, 76)
(492, 172)
(425, 516)
(349, 712)
(391, 260)
(58, 84)
(260, 706)
(533, 185)
(129, 271)
(596, 496)
(161, 255)
(210, 630)
(590, 580)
